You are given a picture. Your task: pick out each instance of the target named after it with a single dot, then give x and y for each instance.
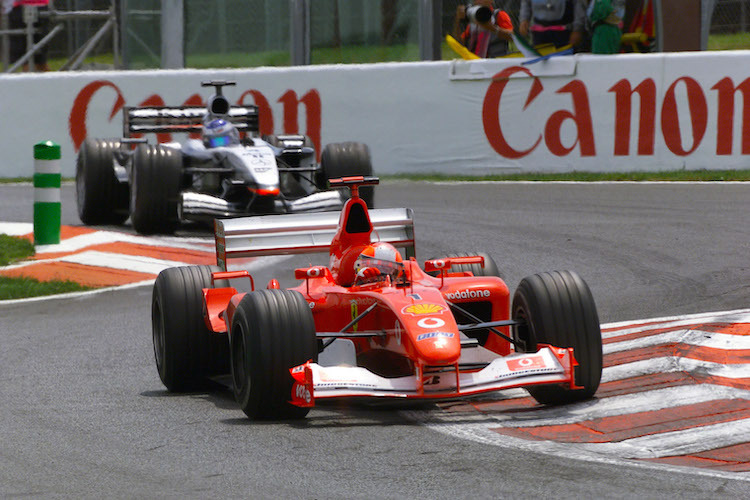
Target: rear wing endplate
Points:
(304, 233)
(166, 119)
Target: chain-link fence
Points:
(248, 33)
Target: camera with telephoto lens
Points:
(478, 14)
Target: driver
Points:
(378, 262)
(219, 132)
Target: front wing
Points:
(549, 365)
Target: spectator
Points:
(606, 21)
(484, 38)
(559, 22)
(18, 44)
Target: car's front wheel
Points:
(557, 308)
(100, 197)
(186, 351)
(155, 189)
(272, 331)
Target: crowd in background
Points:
(582, 25)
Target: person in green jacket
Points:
(606, 21)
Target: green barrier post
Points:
(47, 211)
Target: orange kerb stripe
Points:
(622, 427)
(85, 275)
(731, 459)
(707, 354)
(730, 329)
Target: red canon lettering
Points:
(265, 115)
(647, 119)
(581, 116)
(491, 112)
(725, 124)
(670, 125)
(312, 103)
(311, 100)
(77, 118)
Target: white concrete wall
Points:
(568, 113)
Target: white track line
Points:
(657, 399)
(670, 364)
(696, 338)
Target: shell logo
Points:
(422, 309)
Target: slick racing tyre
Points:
(557, 308)
(101, 198)
(186, 351)
(347, 159)
(489, 269)
(272, 331)
(155, 189)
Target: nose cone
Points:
(438, 347)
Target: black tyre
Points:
(101, 198)
(155, 189)
(558, 309)
(272, 331)
(186, 351)
(346, 159)
(489, 269)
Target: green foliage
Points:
(18, 288)
(729, 41)
(14, 249)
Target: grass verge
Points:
(16, 249)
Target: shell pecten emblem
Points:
(423, 309)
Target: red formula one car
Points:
(371, 324)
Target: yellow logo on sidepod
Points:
(421, 309)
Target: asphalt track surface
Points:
(84, 415)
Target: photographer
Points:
(487, 31)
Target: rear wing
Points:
(166, 119)
(304, 233)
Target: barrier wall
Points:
(583, 112)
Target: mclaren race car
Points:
(229, 172)
(370, 324)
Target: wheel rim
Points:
(158, 335)
(239, 371)
(80, 187)
(522, 331)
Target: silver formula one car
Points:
(230, 171)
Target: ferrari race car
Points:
(219, 175)
(371, 324)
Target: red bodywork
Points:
(409, 344)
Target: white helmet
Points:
(219, 132)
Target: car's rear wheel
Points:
(186, 351)
(490, 266)
(272, 331)
(557, 308)
(345, 159)
(156, 182)
(100, 197)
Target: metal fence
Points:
(248, 33)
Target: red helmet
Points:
(382, 256)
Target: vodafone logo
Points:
(526, 363)
(467, 294)
(430, 323)
(314, 272)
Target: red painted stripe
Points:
(633, 425)
(708, 354)
(155, 252)
(85, 275)
(730, 459)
